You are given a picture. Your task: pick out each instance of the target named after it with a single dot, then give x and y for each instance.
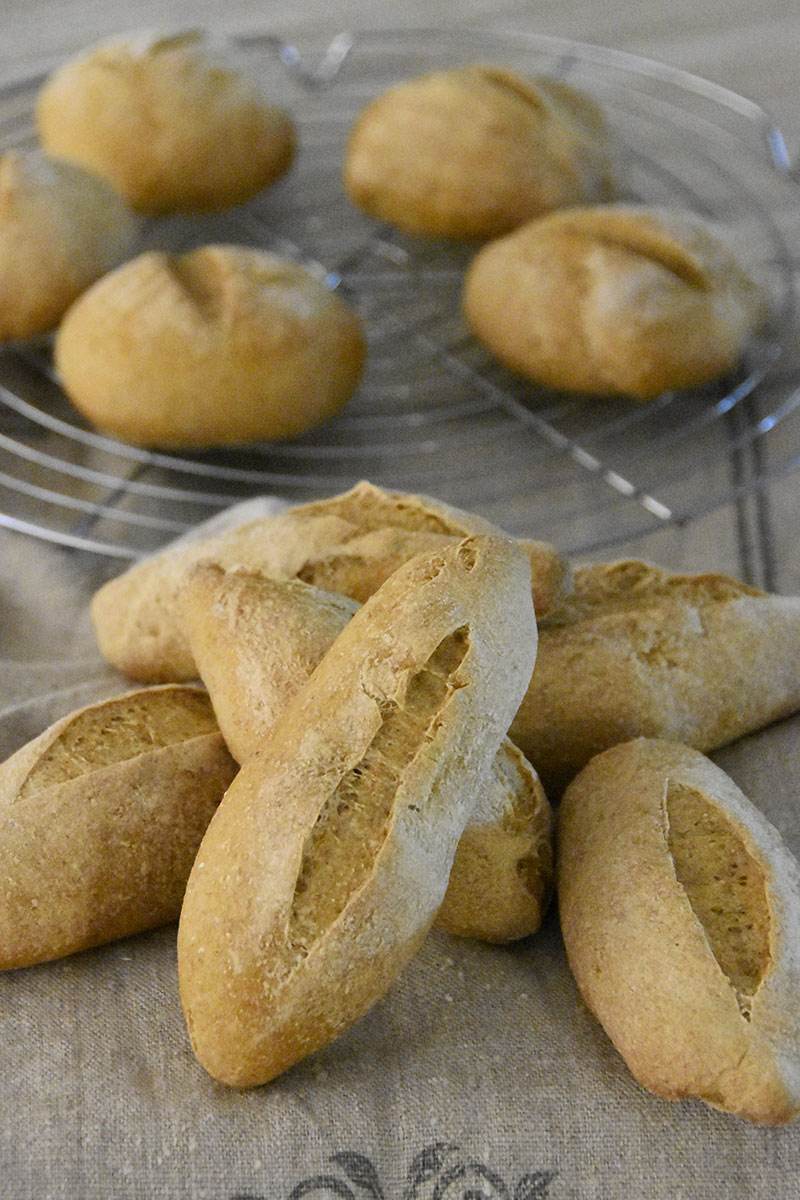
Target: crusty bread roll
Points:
(501, 880)
(680, 907)
(475, 151)
(220, 345)
(324, 867)
(61, 228)
(256, 641)
(640, 651)
(100, 820)
(166, 119)
(348, 543)
(613, 299)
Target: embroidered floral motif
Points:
(440, 1171)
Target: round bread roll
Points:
(221, 345)
(168, 121)
(61, 228)
(680, 909)
(613, 300)
(475, 151)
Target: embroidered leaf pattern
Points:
(322, 1183)
(497, 1188)
(360, 1171)
(425, 1165)
(534, 1186)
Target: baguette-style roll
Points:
(680, 908)
(257, 640)
(325, 865)
(100, 819)
(168, 119)
(348, 543)
(614, 299)
(637, 651)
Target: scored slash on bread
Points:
(324, 867)
(256, 641)
(348, 543)
(680, 910)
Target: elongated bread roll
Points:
(326, 863)
(256, 641)
(349, 543)
(680, 908)
(100, 820)
(640, 651)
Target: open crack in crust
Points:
(347, 836)
(725, 884)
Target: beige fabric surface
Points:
(481, 1075)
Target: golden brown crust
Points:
(100, 820)
(220, 345)
(680, 908)
(475, 151)
(349, 543)
(256, 641)
(640, 651)
(325, 865)
(501, 881)
(61, 228)
(613, 300)
(167, 120)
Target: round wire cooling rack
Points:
(434, 413)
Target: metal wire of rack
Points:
(434, 413)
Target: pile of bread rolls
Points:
(343, 718)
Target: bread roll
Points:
(680, 907)
(640, 651)
(501, 880)
(325, 865)
(348, 543)
(220, 345)
(61, 228)
(475, 151)
(256, 641)
(100, 820)
(168, 120)
(613, 300)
